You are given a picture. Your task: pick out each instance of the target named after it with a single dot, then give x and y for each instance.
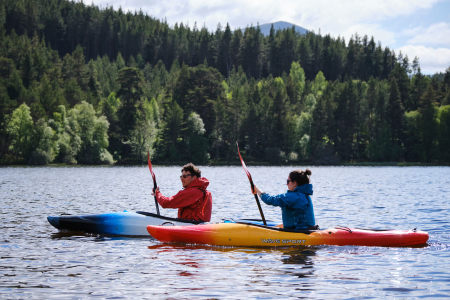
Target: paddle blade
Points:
(243, 164)
(150, 166)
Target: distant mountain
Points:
(265, 28)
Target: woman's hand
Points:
(153, 191)
(256, 190)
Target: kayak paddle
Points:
(251, 184)
(154, 180)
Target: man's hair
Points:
(191, 168)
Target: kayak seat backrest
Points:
(149, 214)
(279, 229)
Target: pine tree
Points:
(418, 87)
(173, 129)
(395, 117)
(79, 67)
(444, 133)
(6, 108)
(131, 91)
(429, 124)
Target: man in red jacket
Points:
(194, 202)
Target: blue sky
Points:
(415, 27)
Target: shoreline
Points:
(250, 163)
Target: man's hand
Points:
(153, 191)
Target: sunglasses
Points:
(287, 181)
(184, 176)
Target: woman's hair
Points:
(300, 177)
(190, 167)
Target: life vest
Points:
(199, 211)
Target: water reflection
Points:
(301, 255)
(299, 259)
(303, 258)
(176, 247)
(69, 234)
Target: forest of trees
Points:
(89, 85)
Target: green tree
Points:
(297, 75)
(395, 112)
(7, 105)
(142, 138)
(403, 85)
(47, 96)
(237, 113)
(320, 84)
(418, 87)
(93, 135)
(20, 127)
(429, 124)
(304, 122)
(79, 67)
(93, 84)
(172, 131)
(280, 105)
(47, 148)
(197, 144)
(346, 120)
(73, 93)
(131, 91)
(67, 139)
(444, 133)
(412, 136)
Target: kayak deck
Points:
(233, 234)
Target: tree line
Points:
(82, 84)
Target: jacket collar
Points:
(304, 189)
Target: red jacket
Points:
(193, 203)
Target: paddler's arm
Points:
(183, 198)
(270, 200)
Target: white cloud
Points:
(332, 17)
(436, 34)
(379, 34)
(431, 60)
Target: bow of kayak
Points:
(115, 223)
(233, 234)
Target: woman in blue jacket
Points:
(296, 205)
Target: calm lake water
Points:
(38, 262)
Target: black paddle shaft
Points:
(156, 202)
(154, 181)
(259, 204)
(251, 184)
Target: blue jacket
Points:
(296, 206)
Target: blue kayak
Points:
(125, 223)
(115, 223)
